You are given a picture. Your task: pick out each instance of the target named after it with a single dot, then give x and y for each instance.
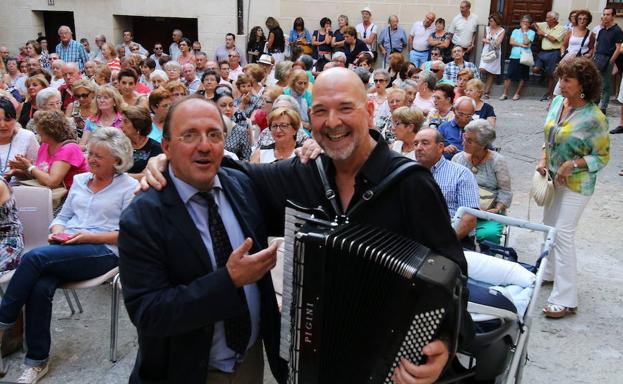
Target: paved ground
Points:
(585, 348)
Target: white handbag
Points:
(542, 190)
(526, 57)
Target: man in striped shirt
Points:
(69, 50)
(457, 183)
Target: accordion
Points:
(357, 298)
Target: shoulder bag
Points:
(542, 189)
(526, 57)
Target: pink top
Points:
(69, 153)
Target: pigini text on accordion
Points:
(357, 298)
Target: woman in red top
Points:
(110, 55)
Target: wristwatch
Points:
(30, 169)
(575, 165)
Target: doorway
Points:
(52, 20)
(512, 10)
(149, 30)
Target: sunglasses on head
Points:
(223, 91)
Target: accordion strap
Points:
(369, 194)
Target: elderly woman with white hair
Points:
(426, 86)
(49, 99)
(173, 70)
(491, 172)
(157, 78)
(82, 244)
(282, 73)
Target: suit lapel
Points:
(183, 223)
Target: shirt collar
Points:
(438, 165)
(187, 191)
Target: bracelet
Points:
(30, 169)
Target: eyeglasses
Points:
(214, 136)
(281, 127)
(397, 123)
(380, 80)
(53, 104)
(434, 70)
(82, 95)
(463, 114)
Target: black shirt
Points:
(413, 206)
(27, 113)
(360, 46)
(143, 154)
(337, 37)
(607, 40)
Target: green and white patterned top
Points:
(583, 133)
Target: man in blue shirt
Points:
(452, 131)
(69, 50)
(457, 183)
(202, 306)
(392, 38)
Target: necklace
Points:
(475, 165)
(6, 161)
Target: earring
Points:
(582, 95)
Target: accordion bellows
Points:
(356, 299)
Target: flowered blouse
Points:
(582, 134)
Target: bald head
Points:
(339, 77)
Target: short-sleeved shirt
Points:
(458, 185)
(452, 135)
(337, 37)
(143, 154)
(392, 40)
(360, 46)
(484, 112)
(452, 70)
(558, 32)
(72, 52)
(607, 40)
(69, 153)
(420, 35)
(518, 35)
(463, 29)
(364, 33)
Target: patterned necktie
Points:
(237, 329)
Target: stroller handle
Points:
(511, 221)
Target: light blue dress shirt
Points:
(96, 212)
(221, 356)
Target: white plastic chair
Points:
(34, 207)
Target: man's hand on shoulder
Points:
(246, 269)
(154, 177)
(437, 356)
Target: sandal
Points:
(516, 97)
(486, 96)
(503, 97)
(555, 311)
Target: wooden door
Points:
(512, 10)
